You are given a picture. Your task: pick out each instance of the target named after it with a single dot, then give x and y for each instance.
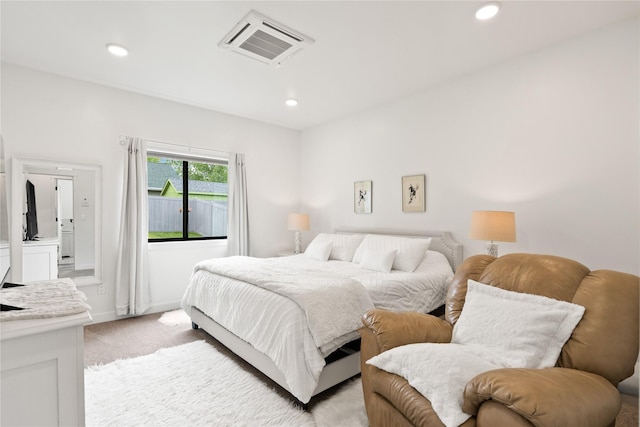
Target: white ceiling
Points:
(365, 54)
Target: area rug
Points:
(195, 385)
(175, 318)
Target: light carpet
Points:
(195, 385)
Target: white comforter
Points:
(277, 327)
(333, 304)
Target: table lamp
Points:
(298, 222)
(495, 226)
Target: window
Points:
(187, 198)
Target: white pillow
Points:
(343, 246)
(378, 260)
(515, 329)
(433, 259)
(410, 251)
(318, 250)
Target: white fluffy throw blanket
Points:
(333, 306)
(439, 372)
(40, 300)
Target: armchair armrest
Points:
(391, 329)
(382, 331)
(553, 396)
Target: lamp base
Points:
(298, 243)
(492, 249)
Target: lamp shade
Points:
(298, 221)
(497, 226)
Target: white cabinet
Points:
(42, 368)
(40, 260)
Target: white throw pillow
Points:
(378, 260)
(515, 329)
(410, 251)
(318, 250)
(343, 246)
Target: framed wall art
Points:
(413, 193)
(362, 197)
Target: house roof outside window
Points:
(197, 189)
(159, 174)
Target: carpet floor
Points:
(139, 336)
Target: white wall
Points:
(50, 117)
(553, 136)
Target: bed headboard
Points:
(441, 241)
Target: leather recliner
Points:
(579, 391)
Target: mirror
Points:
(5, 259)
(56, 221)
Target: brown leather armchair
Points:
(579, 391)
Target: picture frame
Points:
(362, 197)
(413, 193)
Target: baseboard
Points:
(156, 308)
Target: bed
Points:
(296, 318)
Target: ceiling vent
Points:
(261, 38)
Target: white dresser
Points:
(42, 371)
(40, 260)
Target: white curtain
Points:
(238, 222)
(132, 274)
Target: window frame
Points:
(185, 159)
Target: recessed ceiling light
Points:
(291, 102)
(487, 10)
(117, 50)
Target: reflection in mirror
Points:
(64, 217)
(60, 232)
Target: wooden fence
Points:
(206, 217)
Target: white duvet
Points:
(278, 327)
(333, 304)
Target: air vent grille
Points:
(265, 45)
(265, 40)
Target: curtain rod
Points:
(123, 140)
(189, 149)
